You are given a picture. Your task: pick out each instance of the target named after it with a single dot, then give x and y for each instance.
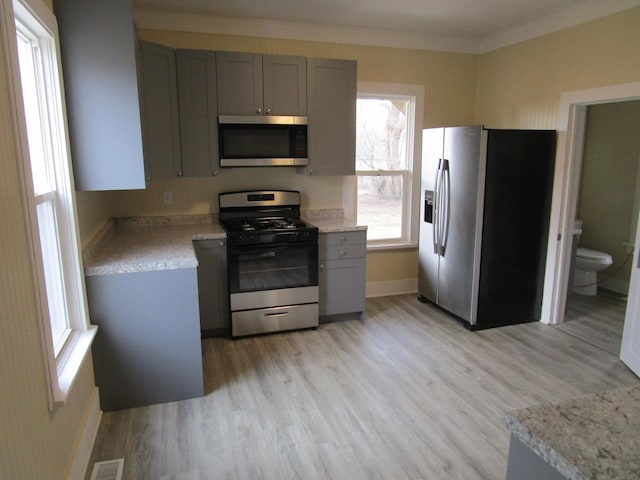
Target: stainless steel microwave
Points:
(262, 140)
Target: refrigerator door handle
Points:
(446, 200)
(436, 209)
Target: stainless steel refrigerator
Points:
(486, 201)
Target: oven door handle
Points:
(277, 314)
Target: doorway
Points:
(607, 206)
(572, 122)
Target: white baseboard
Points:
(616, 285)
(87, 438)
(392, 287)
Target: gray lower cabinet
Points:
(525, 464)
(213, 287)
(331, 104)
(98, 49)
(160, 121)
(147, 349)
(342, 272)
(198, 106)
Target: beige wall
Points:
(94, 209)
(34, 443)
(520, 86)
(610, 163)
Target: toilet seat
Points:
(594, 256)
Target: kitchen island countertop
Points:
(590, 437)
(144, 244)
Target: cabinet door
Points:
(342, 272)
(331, 103)
(160, 111)
(97, 44)
(213, 287)
(147, 349)
(284, 84)
(342, 286)
(239, 83)
(198, 105)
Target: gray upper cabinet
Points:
(198, 106)
(98, 46)
(160, 111)
(331, 100)
(284, 84)
(255, 84)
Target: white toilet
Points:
(587, 265)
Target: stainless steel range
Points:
(272, 257)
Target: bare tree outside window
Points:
(381, 164)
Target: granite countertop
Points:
(590, 437)
(332, 220)
(146, 244)
(143, 244)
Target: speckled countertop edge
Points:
(590, 437)
(143, 244)
(331, 220)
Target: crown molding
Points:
(583, 13)
(195, 23)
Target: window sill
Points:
(376, 247)
(70, 362)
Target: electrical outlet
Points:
(168, 198)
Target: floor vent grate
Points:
(108, 470)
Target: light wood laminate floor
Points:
(598, 320)
(404, 393)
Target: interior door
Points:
(630, 349)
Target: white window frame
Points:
(411, 176)
(63, 360)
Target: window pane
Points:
(380, 205)
(53, 277)
(35, 114)
(381, 135)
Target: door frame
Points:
(566, 185)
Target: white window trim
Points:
(61, 370)
(412, 209)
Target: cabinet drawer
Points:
(341, 252)
(342, 238)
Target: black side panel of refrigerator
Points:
(518, 188)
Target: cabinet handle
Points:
(343, 239)
(342, 253)
(259, 110)
(282, 314)
(322, 266)
(268, 111)
(221, 244)
(179, 173)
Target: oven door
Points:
(272, 267)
